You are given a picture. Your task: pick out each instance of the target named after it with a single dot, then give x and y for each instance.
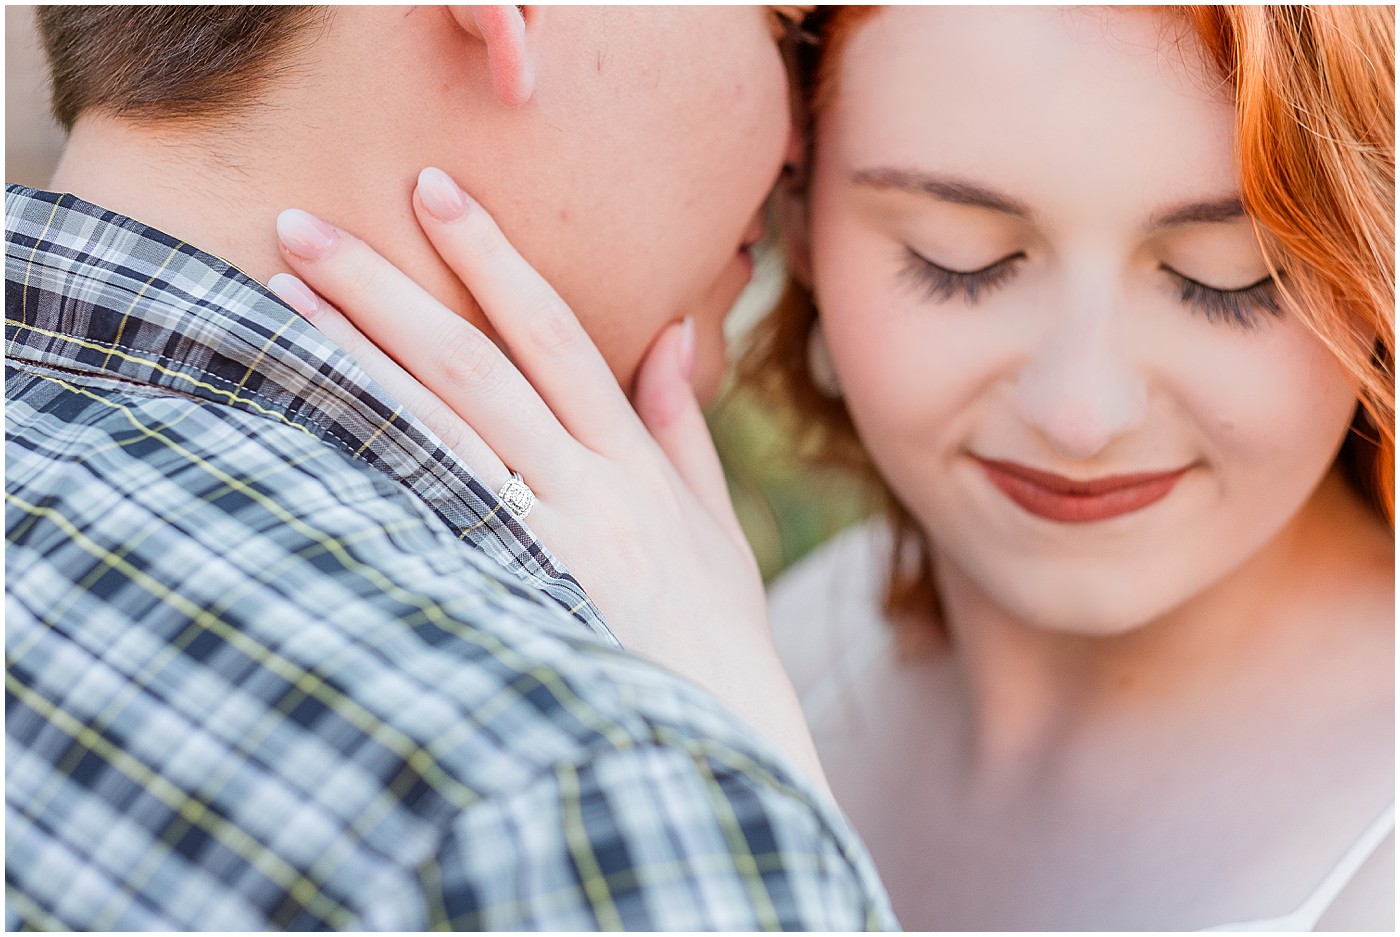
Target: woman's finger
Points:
(454, 432)
(449, 355)
(543, 334)
(668, 409)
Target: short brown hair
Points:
(164, 62)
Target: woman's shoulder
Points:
(827, 608)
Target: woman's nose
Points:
(1079, 390)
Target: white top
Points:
(843, 632)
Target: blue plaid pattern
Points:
(276, 658)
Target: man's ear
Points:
(791, 197)
(502, 30)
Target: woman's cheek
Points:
(1273, 405)
(904, 376)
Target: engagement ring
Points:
(516, 496)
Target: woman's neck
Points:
(1028, 689)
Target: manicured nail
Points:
(295, 293)
(687, 347)
(304, 234)
(442, 197)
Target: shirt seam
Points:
(147, 391)
(165, 365)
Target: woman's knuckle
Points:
(483, 240)
(363, 281)
(551, 324)
(451, 430)
(468, 359)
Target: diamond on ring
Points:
(516, 496)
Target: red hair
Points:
(1314, 93)
(1315, 118)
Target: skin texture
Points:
(1128, 707)
(630, 179)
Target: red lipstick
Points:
(1075, 501)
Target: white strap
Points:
(1312, 910)
(1307, 916)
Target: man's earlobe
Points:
(502, 30)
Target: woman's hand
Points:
(636, 506)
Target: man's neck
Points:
(221, 196)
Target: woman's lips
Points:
(1072, 501)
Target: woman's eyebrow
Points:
(1210, 211)
(941, 187)
(957, 191)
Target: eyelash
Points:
(941, 284)
(1239, 307)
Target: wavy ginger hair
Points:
(1314, 93)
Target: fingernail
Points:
(304, 234)
(294, 293)
(687, 347)
(442, 197)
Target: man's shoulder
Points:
(104, 311)
(321, 694)
(254, 527)
(207, 532)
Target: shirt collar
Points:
(96, 292)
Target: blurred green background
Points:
(785, 508)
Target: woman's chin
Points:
(1109, 619)
(1085, 612)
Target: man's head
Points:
(631, 176)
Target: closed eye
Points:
(1243, 306)
(941, 284)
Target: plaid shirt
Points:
(275, 658)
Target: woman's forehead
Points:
(1107, 102)
(979, 41)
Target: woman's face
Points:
(1053, 326)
